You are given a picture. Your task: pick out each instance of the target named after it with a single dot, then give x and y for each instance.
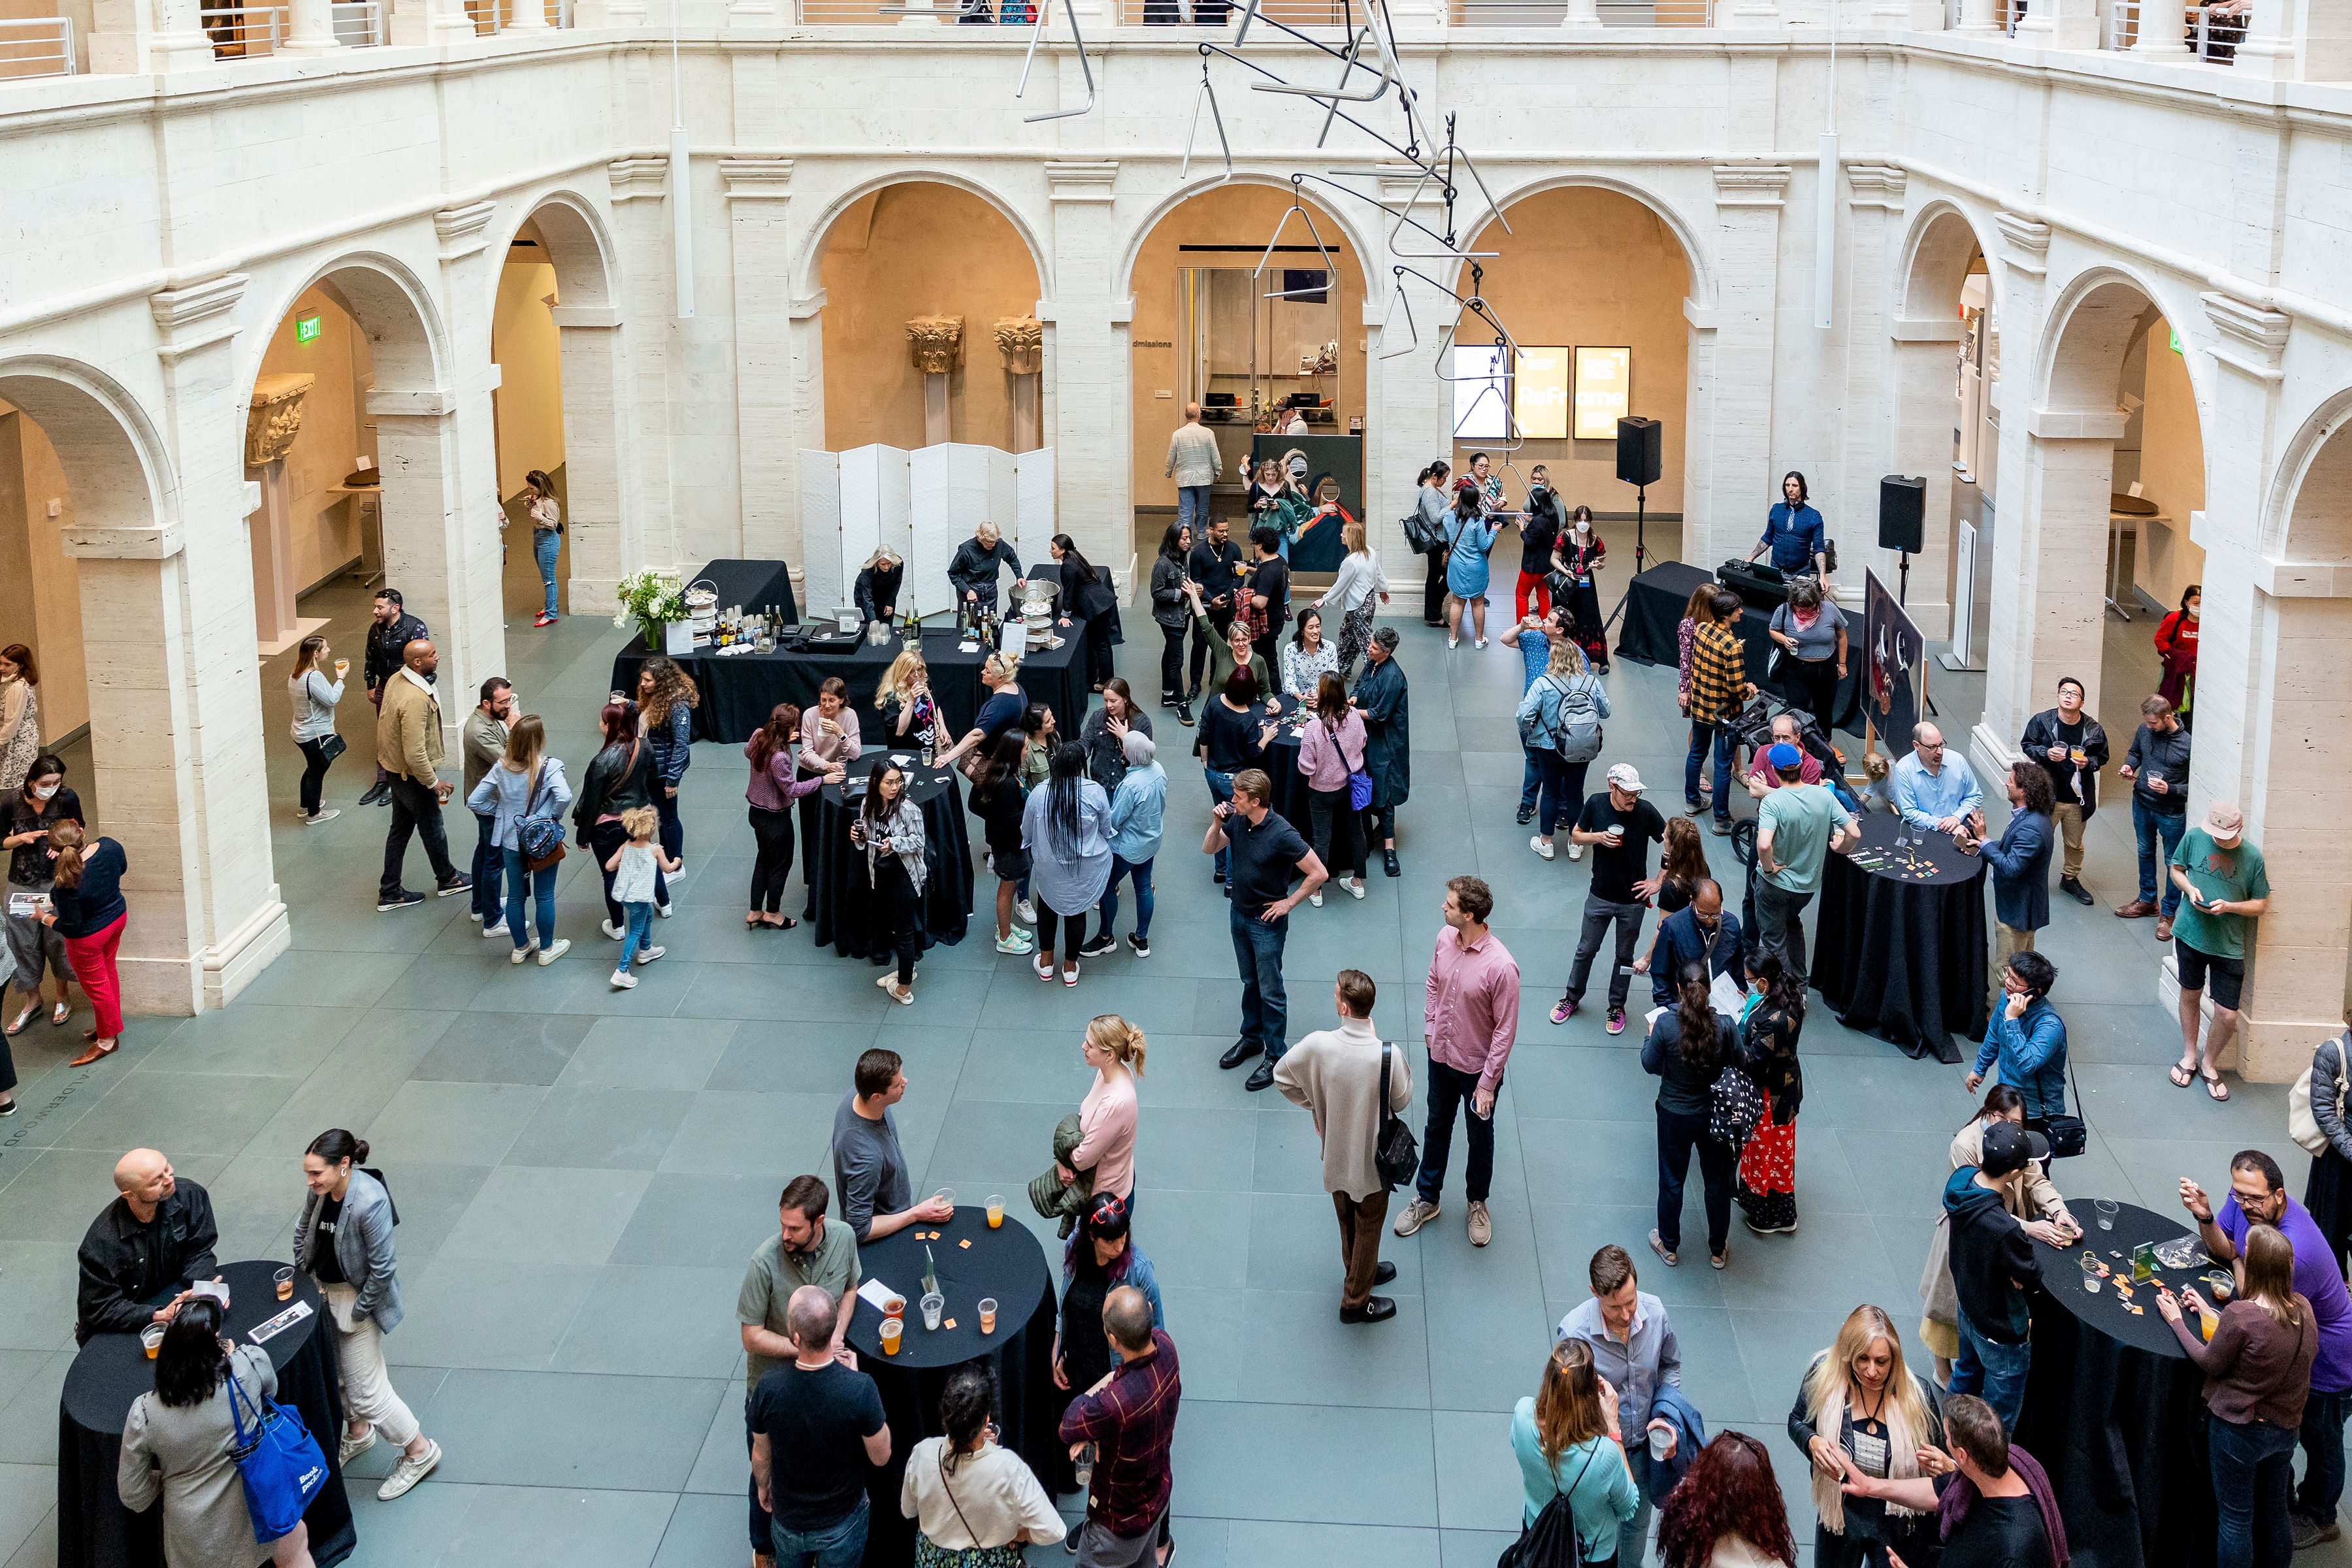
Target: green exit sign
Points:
(2176, 339)
(308, 328)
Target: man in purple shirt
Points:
(2258, 1195)
(1470, 1012)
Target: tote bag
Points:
(276, 1459)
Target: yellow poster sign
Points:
(1604, 391)
(1541, 398)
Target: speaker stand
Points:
(1641, 549)
(1903, 578)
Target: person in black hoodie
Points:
(1993, 1264)
(388, 636)
(1086, 593)
(619, 778)
(877, 590)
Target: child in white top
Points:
(632, 866)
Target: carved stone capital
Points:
(1022, 341)
(2252, 338)
(460, 228)
(1876, 186)
(2028, 241)
(199, 315)
(639, 179)
(276, 416)
(757, 179)
(1080, 182)
(936, 343)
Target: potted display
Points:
(656, 601)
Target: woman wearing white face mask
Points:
(35, 950)
(1578, 556)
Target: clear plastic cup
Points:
(891, 1328)
(933, 1305)
(152, 1336)
(988, 1314)
(2107, 1212)
(995, 1210)
(285, 1278)
(2091, 1272)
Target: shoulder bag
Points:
(2068, 1135)
(1395, 1153)
(1360, 783)
(276, 1459)
(331, 745)
(2302, 1122)
(1738, 1106)
(538, 836)
(1419, 532)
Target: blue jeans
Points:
(521, 885)
(1563, 792)
(1257, 951)
(489, 865)
(2150, 827)
(1221, 789)
(1633, 1535)
(2253, 1463)
(1994, 1372)
(1450, 1088)
(1531, 779)
(1724, 741)
(544, 543)
(1192, 509)
(2323, 1449)
(1141, 871)
(639, 937)
(839, 1546)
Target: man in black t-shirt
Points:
(2011, 1521)
(2072, 748)
(816, 1427)
(1269, 589)
(1265, 849)
(1619, 825)
(1215, 563)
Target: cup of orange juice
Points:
(988, 1315)
(995, 1210)
(891, 1328)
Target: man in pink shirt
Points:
(1762, 781)
(1470, 1012)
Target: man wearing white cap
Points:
(1619, 825)
(2224, 890)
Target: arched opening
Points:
(915, 251)
(40, 585)
(1204, 331)
(1946, 361)
(528, 409)
(1593, 351)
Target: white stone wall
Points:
(159, 225)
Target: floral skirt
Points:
(1355, 636)
(927, 1555)
(1768, 1177)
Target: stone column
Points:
(1406, 415)
(310, 28)
(439, 23)
(595, 443)
(2163, 32)
(1923, 351)
(2264, 704)
(270, 426)
(935, 344)
(641, 229)
(807, 324)
(471, 633)
(137, 37)
(1977, 17)
(768, 442)
(1090, 421)
(1747, 201)
(176, 659)
(1021, 340)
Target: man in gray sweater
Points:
(1336, 1074)
(483, 740)
(1192, 464)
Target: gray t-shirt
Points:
(869, 1169)
(1816, 642)
(775, 1274)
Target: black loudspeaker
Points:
(1902, 513)
(1641, 449)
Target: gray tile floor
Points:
(582, 1173)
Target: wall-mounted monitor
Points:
(1539, 394)
(1604, 391)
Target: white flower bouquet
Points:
(652, 599)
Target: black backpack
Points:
(1551, 1542)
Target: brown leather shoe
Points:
(2164, 929)
(97, 1048)
(2138, 909)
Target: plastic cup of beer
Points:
(285, 1278)
(895, 1308)
(2091, 1272)
(944, 1195)
(995, 1210)
(988, 1315)
(891, 1328)
(152, 1336)
(933, 1305)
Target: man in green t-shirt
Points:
(2224, 891)
(1797, 826)
(808, 1249)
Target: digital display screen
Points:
(1540, 394)
(1604, 391)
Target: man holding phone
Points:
(2224, 891)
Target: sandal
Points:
(17, 1025)
(787, 923)
(2182, 1076)
(60, 1014)
(2215, 1087)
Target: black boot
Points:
(1388, 863)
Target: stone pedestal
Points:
(1022, 341)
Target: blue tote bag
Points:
(279, 1461)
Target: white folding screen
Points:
(1033, 484)
(933, 534)
(822, 588)
(923, 504)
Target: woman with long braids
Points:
(1860, 1410)
(1773, 1018)
(890, 830)
(1688, 1047)
(1067, 829)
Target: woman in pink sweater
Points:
(1330, 748)
(1114, 1048)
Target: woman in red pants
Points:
(88, 910)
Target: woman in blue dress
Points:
(1470, 535)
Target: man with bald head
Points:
(1934, 791)
(408, 747)
(1703, 933)
(145, 1250)
(816, 1427)
(1193, 463)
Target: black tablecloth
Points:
(1293, 797)
(740, 689)
(754, 584)
(1903, 956)
(94, 1530)
(847, 916)
(1006, 1264)
(1654, 618)
(2114, 1410)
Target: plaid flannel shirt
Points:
(1133, 1422)
(1718, 674)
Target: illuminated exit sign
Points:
(306, 329)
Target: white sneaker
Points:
(550, 954)
(1452, 643)
(328, 815)
(1316, 900)
(354, 1446)
(1026, 913)
(665, 910)
(475, 916)
(498, 929)
(1355, 889)
(644, 954)
(1576, 851)
(1540, 847)
(521, 952)
(609, 929)
(1482, 642)
(623, 979)
(408, 1472)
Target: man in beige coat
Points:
(1336, 1074)
(408, 747)
(1193, 463)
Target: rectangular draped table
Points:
(754, 584)
(1654, 616)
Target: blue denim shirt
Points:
(503, 794)
(2028, 1054)
(1136, 812)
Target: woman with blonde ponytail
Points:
(86, 908)
(1114, 1048)
(1860, 1411)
